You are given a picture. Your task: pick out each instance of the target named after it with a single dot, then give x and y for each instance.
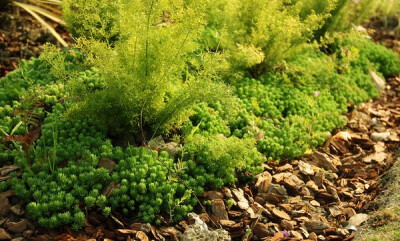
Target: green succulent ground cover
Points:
(231, 108)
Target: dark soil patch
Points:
(23, 37)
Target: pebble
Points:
(376, 136)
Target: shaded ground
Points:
(386, 33)
(22, 37)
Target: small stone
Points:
(287, 207)
(316, 226)
(378, 81)
(17, 227)
(171, 148)
(218, 209)
(304, 231)
(135, 226)
(376, 136)
(358, 219)
(107, 164)
(45, 237)
(263, 181)
(4, 235)
(195, 232)
(306, 168)
(278, 236)
(204, 217)
(156, 142)
(8, 194)
(378, 157)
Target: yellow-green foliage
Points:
(389, 7)
(348, 13)
(92, 18)
(389, 12)
(147, 83)
(260, 34)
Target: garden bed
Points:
(144, 123)
(278, 203)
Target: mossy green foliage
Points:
(209, 121)
(214, 161)
(148, 186)
(61, 177)
(96, 19)
(62, 139)
(375, 56)
(143, 71)
(296, 111)
(54, 197)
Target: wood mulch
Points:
(23, 37)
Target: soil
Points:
(385, 34)
(23, 37)
(325, 195)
